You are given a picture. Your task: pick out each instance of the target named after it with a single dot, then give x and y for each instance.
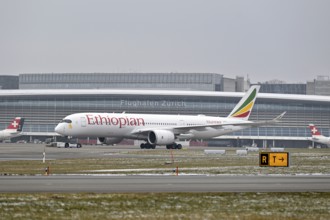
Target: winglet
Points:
(244, 108)
(278, 118)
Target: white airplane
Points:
(318, 137)
(14, 129)
(111, 128)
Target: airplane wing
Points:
(184, 129)
(246, 123)
(269, 122)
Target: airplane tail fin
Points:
(244, 108)
(314, 131)
(16, 124)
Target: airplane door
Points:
(182, 123)
(83, 121)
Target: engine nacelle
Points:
(110, 140)
(161, 137)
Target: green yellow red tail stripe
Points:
(243, 109)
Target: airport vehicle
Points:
(111, 128)
(14, 129)
(68, 144)
(317, 136)
(63, 145)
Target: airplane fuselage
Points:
(5, 134)
(321, 139)
(134, 125)
(317, 136)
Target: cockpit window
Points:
(66, 121)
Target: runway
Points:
(121, 183)
(153, 183)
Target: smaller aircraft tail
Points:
(315, 132)
(244, 108)
(16, 124)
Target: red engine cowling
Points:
(110, 140)
(161, 137)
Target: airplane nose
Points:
(59, 129)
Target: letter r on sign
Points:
(264, 159)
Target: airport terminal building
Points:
(43, 109)
(155, 81)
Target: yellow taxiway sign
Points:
(274, 159)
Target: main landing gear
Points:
(147, 146)
(152, 146)
(174, 146)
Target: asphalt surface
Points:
(13, 151)
(142, 183)
(115, 184)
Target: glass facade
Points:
(8, 82)
(44, 110)
(283, 88)
(173, 81)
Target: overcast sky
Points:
(282, 39)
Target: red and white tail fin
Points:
(314, 131)
(16, 124)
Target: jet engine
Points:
(110, 140)
(161, 137)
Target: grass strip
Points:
(165, 206)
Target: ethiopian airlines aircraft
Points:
(318, 137)
(14, 129)
(111, 128)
